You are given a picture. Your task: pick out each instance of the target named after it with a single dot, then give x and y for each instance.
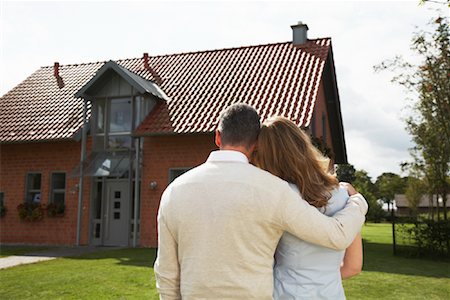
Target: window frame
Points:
(106, 134)
(172, 178)
(52, 191)
(28, 191)
(324, 128)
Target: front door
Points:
(117, 214)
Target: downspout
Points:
(81, 182)
(136, 189)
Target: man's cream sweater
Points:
(219, 225)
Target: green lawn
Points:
(127, 274)
(386, 276)
(19, 250)
(116, 274)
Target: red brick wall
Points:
(159, 155)
(19, 159)
(320, 109)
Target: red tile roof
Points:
(275, 79)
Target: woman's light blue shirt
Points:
(306, 271)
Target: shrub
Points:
(430, 237)
(375, 213)
(30, 211)
(56, 209)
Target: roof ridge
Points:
(237, 47)
(184, 53)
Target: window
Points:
(175, 172)
(33, 188)
(113, 123)
(324, 128)
(58, 188)
(313, 125)
(2, 204)
(120, 116)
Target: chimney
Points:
(146, 65)
(299, 33)
(56, 69)
(155, 75)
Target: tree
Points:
(346, 173)
(387, 185)
(414, 192)
(429, 122)
(365, 186)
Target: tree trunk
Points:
(430, 208)
(437, 208)
(444, 205)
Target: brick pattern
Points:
(160, 154)
(19, 159)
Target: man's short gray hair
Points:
(239, 125)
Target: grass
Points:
(116, 274)
(128, 274)
(19, 250)
(386, 276)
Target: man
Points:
(219, 224)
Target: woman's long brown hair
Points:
(286, 151)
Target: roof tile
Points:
(274, 78)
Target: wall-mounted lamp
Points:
(153, 185)
(74, 189)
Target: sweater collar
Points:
(227, 156)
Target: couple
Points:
(219, 224)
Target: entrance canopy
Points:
(111, 164)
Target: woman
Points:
(303, 270)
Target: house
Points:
(424, 206)
(102, 140)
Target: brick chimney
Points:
(56, 69)
(155, 75)
(146, 65)
(299, 33)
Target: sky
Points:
(35, 34)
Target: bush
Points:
(430, 237)
(56, 209)
(30, 211)
(375, 213)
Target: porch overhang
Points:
(141, 85)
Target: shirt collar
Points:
(227, 155)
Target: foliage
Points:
(365, 186)
(430, 237)
(429, 123)
(29, 211)
(346, 172)
(387, 185)
(414, 192)
(322, 146)
(56, 209)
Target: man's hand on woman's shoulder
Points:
(351, 190)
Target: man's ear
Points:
(218, 140)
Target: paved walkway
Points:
(53, 253)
